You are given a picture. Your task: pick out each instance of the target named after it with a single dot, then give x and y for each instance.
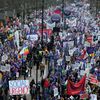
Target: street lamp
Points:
(36, 7)
(42, 21)
(62, 10)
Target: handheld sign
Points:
(19, 87)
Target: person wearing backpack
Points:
(33, 91)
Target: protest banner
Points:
(5, 68)
(18, 87)
(93, 79)
(32, 37)
(76, 88)
(55, 92)
(84, 96)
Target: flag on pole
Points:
(76, 88)
(24, 51)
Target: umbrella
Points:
(67, 12)
(55, 18)
(57, 11)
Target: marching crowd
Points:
(68, 54)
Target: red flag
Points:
(76, 88)
(83, 54)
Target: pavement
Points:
(33, 76)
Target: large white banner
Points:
(18, 87)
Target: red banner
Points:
(48, 31)
(76, 88)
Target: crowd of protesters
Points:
(66, 54)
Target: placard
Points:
(5, 68)
(4, 57)
(32, 37)
(70, 44)
(71, 51)
(18, 87)
(55, 92)
(93, 79)
(68, 58)
(59, 61)
(82, 72)
(93, 97)
(84, 96)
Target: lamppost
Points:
(97, 6)
(36, 7)
(42, 21)
(62, 10)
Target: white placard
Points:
(82, 72)
(19, 87)
(70, 44)
(32, 37)
(5, 68)
(59, 61)
(68, 58)
(55, 92)
(93, 97)
(4, 57)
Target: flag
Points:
(83, 53)
(76, 88)
(24, 51)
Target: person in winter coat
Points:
(1, 94)
(42, 67)
(32, 89)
